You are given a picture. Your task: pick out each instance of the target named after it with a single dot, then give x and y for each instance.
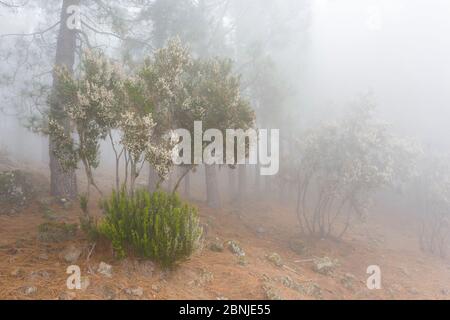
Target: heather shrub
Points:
(158, 226)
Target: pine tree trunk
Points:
(63, 184)
(212, 187)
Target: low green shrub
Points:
(158, 226)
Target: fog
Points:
(397, 50)
(310, 68)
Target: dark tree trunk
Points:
(63, 183)
(212, 187)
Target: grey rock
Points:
(105, 269)
(234, 247)
(137, 292)
(71, 254)
(29, 290)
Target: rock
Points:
(56, 232)
(324, 265)
(275, 259)
(71, 254)
(445, 292)
(234, 247)
(41, 274)
(29, 290)
(216, 246)
(105, 269)
(109, 293)
(156, 288)
(68, 295)
(137, 292)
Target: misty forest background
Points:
(304, 68)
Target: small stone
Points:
(445, 292)
(29, 290)
(40, 274)
(137, 292)
(206, 276)
(71, 254)
(109, 293)
(155, 288)
(105, 269)
(234, 247)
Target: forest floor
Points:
(277, 263)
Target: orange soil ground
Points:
(260, 229)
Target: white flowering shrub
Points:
(131, 110)
(93, 103)
(342, 165)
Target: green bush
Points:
(158, 226)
